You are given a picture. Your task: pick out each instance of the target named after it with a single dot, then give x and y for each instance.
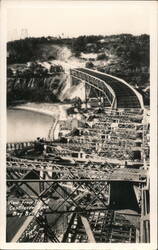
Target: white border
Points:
(2, 121)
(153, 168)
(153, 120)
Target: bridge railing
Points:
(96, 82)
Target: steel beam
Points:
(88, 230)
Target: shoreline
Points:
(56, 112)
(40, 111)
(43, 108)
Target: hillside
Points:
(123, 55)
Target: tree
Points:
(9, 72)
(89, 65)
(77, 102)
(102, 56)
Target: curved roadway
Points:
(126, 95)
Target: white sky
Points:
(44, 18)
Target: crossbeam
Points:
(74, 180)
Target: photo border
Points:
(4, 4)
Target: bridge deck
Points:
(126, 97)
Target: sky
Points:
(77, 18)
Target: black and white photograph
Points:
(78, 123)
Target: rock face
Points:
(50, 83)
(35, 88)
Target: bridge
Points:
(83, 195)
(81, 190)
(80, 172)
(111, 91)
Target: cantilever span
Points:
(118, 92)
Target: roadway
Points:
(127, 96)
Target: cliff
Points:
(35, 89)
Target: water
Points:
(24, 125)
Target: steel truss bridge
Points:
(79, 196)
(109, 90)
(81, 193)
